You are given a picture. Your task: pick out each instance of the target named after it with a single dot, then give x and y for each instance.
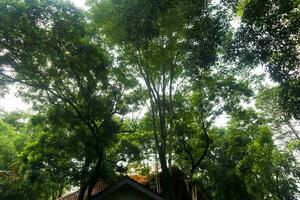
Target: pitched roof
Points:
(127, 181)
(140, 179)
(101, 185)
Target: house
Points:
(137, 187)
(126, 189)
(99, 186)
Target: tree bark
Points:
(95, 175)
(83, 183)
(82, 190)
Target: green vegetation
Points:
(176, 66)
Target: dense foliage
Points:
(142, 86)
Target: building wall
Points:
(125, 193)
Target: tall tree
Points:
(167, 44)
(212, 96)
(45, 46)
(269, 35)
(244, 162)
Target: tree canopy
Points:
(142, 87)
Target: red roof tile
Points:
(99, 186)
(140, 179)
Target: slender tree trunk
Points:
(61, 190)
(53, 195)
(158, 109)
(95, 175)
(292, 129)
(161, 148)
(168, 180)
(171, 121)
(83, 183)
(82, 190)
(277, 188)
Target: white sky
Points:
(11, 102)
(79, 3)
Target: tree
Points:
(269, 35)
(268, 101)
(167, 44)
(46, 47)
(212, 96)
(243, 162)
(84, 72)
(36, 162)
(12, 142)
(7, 147)
(48, 164)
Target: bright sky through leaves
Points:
(11, 102)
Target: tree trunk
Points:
(82, 190)
(168, 181)
(83, 183)
(95, 175)
(158, 109)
